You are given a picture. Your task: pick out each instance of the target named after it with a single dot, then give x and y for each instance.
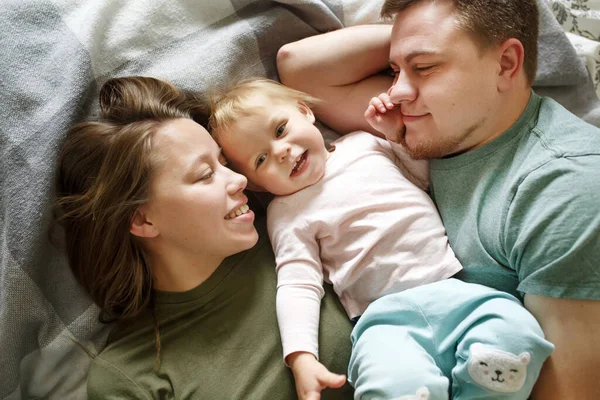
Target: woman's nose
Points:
(237, 182)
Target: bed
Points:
(56, 54)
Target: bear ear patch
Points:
(476, 347)
(423, 393)
(525, 357)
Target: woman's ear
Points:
(140, 226)
(305, 109)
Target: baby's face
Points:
(277, 148)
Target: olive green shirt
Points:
(219, 340)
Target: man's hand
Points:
(311, 376)
(385, 117)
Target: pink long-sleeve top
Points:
(365, 227)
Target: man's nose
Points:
(402, 90)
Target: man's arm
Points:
(573, 369)
(340, 68)
(551, 239)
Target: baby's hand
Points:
(382, 115)
(311, 376)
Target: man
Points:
(514, 175)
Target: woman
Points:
(159, 233)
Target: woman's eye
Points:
(261, 159)
(206, 176)
(280, 130)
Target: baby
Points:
(356, 216)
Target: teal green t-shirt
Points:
(523, 211)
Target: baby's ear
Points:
(305, 109)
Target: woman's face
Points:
(196, 204)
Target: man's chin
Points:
(423, 150)
(416, 150)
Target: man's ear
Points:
(140, 226)
(511, 56)
(305, 109)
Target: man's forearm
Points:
(335, 58)
(340, 68)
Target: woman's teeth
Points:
(236, 213)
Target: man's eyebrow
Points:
(409, 57)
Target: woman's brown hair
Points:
(104, 172)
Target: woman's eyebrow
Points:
(201, 159)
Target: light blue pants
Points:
(449, 339)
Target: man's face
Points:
(445, 85)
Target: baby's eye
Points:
(280, 130)
(261, 159)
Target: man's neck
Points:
(511, 108)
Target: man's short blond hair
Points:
(241, 101)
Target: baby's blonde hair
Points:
(239, 102)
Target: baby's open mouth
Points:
(300, 163)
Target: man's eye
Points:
(280, 130)
(393, 72)
(261, 159)
(422, 68)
